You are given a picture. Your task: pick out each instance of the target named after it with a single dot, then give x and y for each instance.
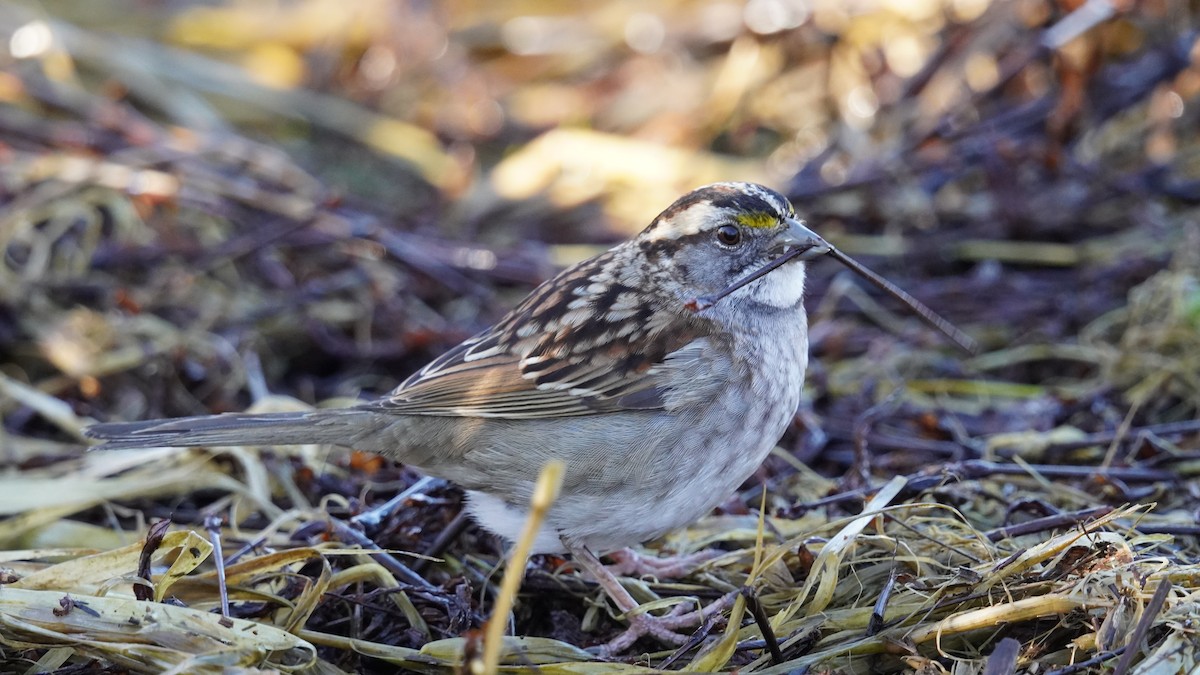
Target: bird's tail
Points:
(337, 426)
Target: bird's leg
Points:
(641, 624)
(628, 562)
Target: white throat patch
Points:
(782, 288)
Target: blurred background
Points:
(341, 191)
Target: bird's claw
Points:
(664, 628)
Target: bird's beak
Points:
(797, 242)
(797, 236)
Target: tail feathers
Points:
(290, 428)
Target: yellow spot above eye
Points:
(757, 219)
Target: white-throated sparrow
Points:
(659, 407)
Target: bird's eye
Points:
(729, 235)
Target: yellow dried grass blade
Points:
(145, 637)
(193, 551)
(253, 570)
(1056, 545)
(71, 536)
(517, 655)
(26, 496)
(996, 615)
(824, 572)
(718, 656)
(517, 651)
(374, 572)
(52, 659)
(246, 579)
(90, 574)
(309, 598)
(44, 404)
(544, 493)
(393, 654)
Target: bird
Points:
(660, 407)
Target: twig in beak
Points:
(705, 301)
(958, 337)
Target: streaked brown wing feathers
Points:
(572, 348)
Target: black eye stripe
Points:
(656, 248)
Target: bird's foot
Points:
(627, 562)
(664, 628)
(661, 628)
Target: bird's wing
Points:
(581, 344)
